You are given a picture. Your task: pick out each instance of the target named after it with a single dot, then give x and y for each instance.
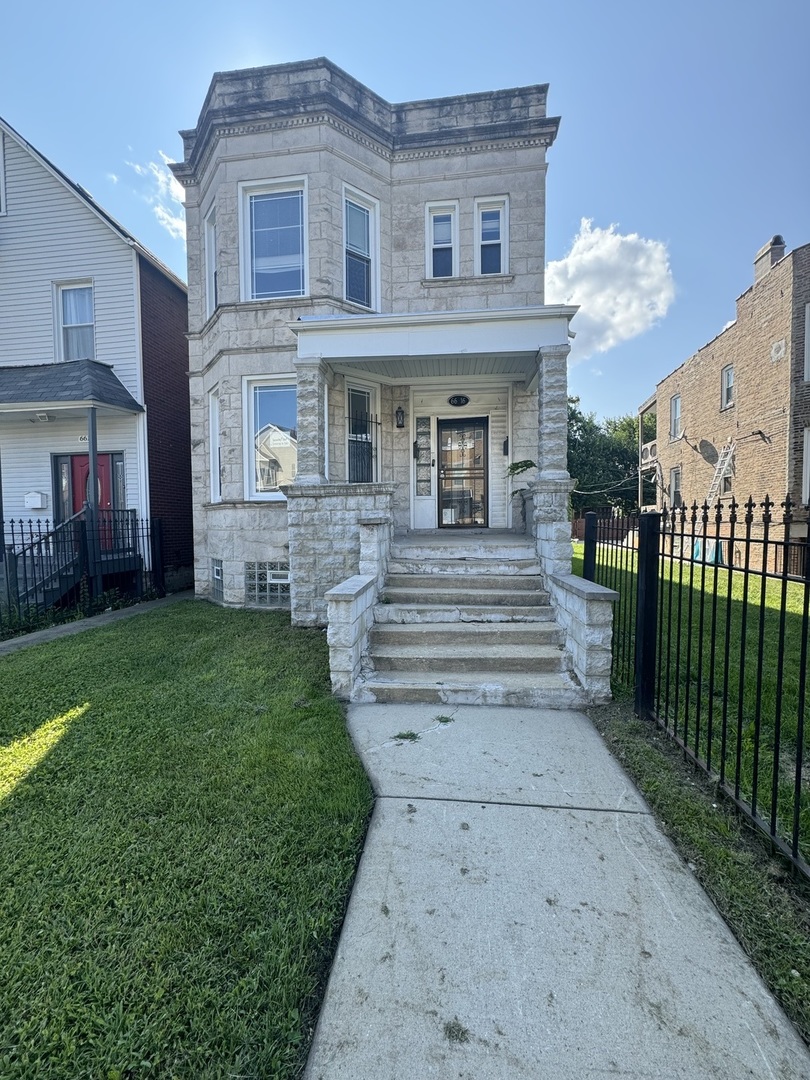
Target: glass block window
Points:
(217, 590)
(267, 584)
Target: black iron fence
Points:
(48, 571)
(711, 633)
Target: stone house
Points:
(93, 361)
(734, 419)
(369, 353)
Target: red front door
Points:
(80, 481)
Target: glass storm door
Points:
(463, 472)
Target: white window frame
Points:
(287, 381)
(372, 206)
(806, 468)
(215, 443)
(247, 189)
(501, 203)
(211, 297)
(672, 489)
(59, 288)
(3, 208)
(675, 429)
(433, 210)
(371, 390)
(727, 387)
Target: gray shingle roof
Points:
(76, 381)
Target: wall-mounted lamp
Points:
(399, 416)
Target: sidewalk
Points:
(517, 913)
(51, 633)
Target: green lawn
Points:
(181, 814)
(728, 675)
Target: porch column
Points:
(550, 491)
(311, 388)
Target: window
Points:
(211, 300)
(675, 430)
(217, 583)
(360, 242)
(727, 386)
(76, 326)
(675, 499)
(272, 444)
(491, 236)
(807, 342)
(361, 427)
(442, 240)
(215, 443)
(273, 248)
(726, 485)
(267, 584)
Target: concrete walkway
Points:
(51, 633)
(517, 913)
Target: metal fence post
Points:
(649, 531)
(589, 554)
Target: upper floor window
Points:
(76, 323)
(272, 440)
(273, 241)
(727, 386)
(442, 240)
(491, 236)
(360, 243)
(675, 417)
(211, 300)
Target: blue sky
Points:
(684, 144)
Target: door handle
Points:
(433, 463)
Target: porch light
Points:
(399, 416)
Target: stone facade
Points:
(766, 419)
(420, 174)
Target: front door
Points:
(72, 477)
(463, 471)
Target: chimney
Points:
(768, 256)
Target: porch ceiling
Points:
(405, 348)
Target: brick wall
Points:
(760, 346)
(165, 384)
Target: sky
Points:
(683, 147)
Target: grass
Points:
(767, 909)
(181, 814)
(729, 676)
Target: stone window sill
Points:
(438, 283)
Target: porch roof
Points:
(69, 385)
(405, 347)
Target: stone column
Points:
(311, 388)
(550, 491)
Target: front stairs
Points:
(464, 619)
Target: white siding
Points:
(50, 235)
(27, 450)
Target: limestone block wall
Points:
(324, 539)
(585, 613)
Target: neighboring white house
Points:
(92, 350)
(370, 277)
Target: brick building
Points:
(734, 419)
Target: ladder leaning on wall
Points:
(722, 470)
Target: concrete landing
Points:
(517, 913)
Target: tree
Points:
(603, 459)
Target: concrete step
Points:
(471, 596)
(479, 567)
(554, 690)
(418, 613)
(466, 634)
(465, 581)
(431, 549)
(466, 656)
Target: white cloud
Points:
(622, 283)
(163, 193)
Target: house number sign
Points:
(458, 400)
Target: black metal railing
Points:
(711, 633)
(48, 571)
(364, 432)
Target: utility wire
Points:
(603, 491)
